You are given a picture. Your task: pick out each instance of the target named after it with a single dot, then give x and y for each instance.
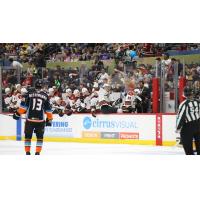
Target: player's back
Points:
(37, 103)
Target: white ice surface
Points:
(8, 147)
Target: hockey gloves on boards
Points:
(16, 116)
(60, 113)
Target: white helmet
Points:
(76, 92)
(51, 90)
(24, 91)
(17, 86)
(68, 90)
(7, 90)
(137, 91)
(84, 90)
(96, 85)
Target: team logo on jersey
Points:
(87, 123)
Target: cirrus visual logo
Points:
(87, 122)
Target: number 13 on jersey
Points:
(37, 104)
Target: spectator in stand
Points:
(31, 69)
(83, 51)
(15, 64)
(40, 61)
(198, 69)
(83, 71)
(98, 64)
(133, 52)
(119, 54)
(180, 67)
(195, 76)
(166, 61)
(101, 76)
(196, 89)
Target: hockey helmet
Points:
(76, 92)
(7, 90)
(18, 86)
(68, 90)
(137, 91)
(84, 91)
(57, 99)
(51, 90)
(96, 85)
(39, 84)
(24, 90)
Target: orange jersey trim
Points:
(49, 115)
(21, 110)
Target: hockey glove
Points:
(60, 113)
(16, 116)
(48, 122)
(69, 112)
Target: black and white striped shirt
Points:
(189, 110)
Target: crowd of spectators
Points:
(127, 72)
(78, 77)
(70, 52)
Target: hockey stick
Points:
(93, 114)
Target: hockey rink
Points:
(8, 147)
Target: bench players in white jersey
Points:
(86, 99)
(105, 103)
(131, 102)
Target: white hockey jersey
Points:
(130, 100)
(15, 101)
(87, 102)
(104, 97)
(7, 99)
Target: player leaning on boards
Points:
(188, 122)
(35, 105)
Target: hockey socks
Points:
(39, 146)
(27, 146)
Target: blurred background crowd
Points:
(69, 52)
(127, 72)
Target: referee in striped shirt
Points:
(188, 122)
